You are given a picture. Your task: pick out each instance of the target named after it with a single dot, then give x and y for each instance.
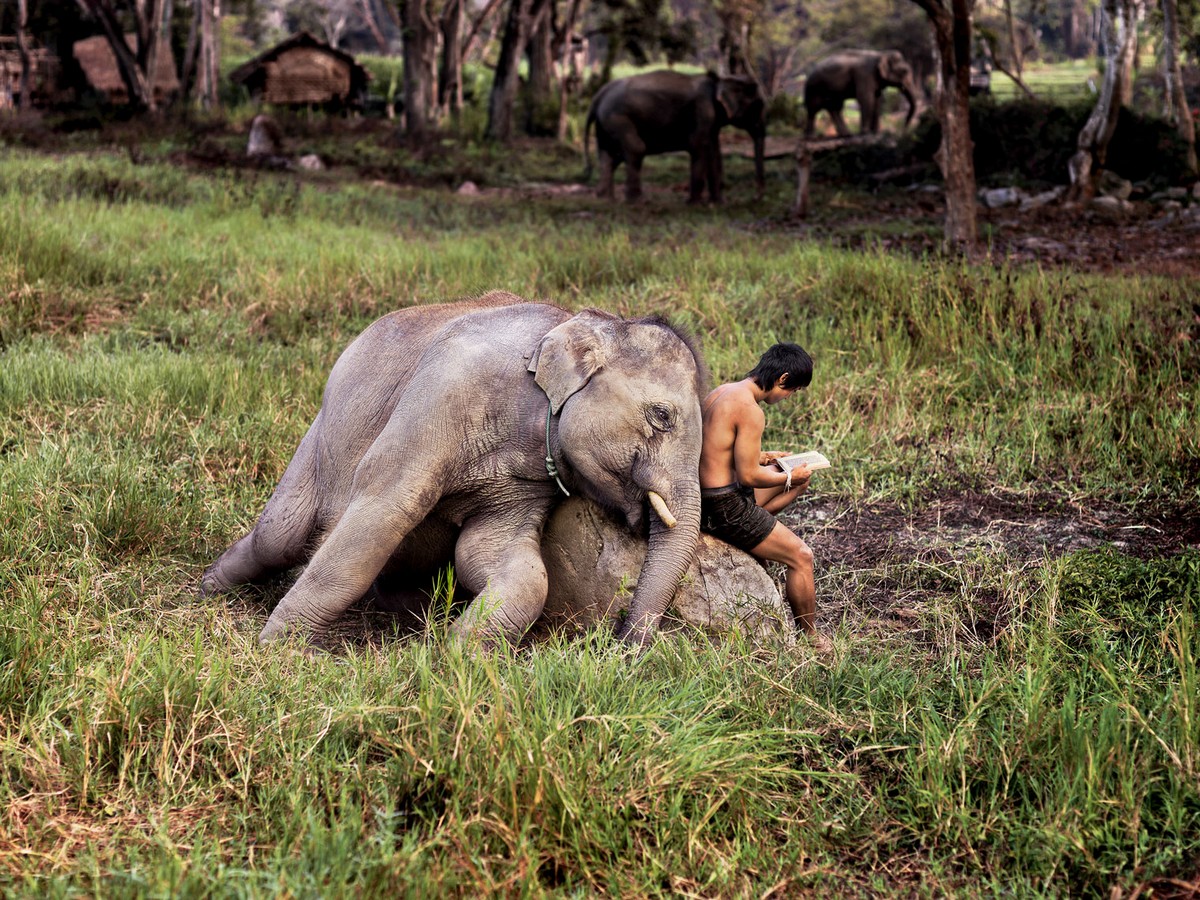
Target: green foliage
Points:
(1028, 140)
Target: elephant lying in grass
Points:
(453, 431)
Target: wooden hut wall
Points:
(306, 75)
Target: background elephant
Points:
(664, 111)
(431, 444)
(860, 75)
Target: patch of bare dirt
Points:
(886, 570)
(1024, 527)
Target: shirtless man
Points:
(740, 488)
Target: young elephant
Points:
(665, 111)
(453, 430)
(857, 75)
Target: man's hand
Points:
(769, 456)
(800, 475)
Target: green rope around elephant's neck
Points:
(551, 469)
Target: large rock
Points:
(266, 139)
(593, 563)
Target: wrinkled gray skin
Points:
(430, 444)
(857, 75)
(664, 111)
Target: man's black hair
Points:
(783, 359)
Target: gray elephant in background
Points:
(858, 75)
(450, 432)
(665, 111)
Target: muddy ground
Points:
(885, 570)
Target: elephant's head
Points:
(894, 69)
(740, 103)
(627, 395)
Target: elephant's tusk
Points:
(660, 507)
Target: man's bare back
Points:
(732, 452)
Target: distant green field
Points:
(994, 720)
(1060, 82)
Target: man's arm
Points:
(748, 454)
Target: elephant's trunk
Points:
(668, 557)
(910, 95)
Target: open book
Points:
(813, 459)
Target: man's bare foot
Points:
(819, 642)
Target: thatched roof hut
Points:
(44, 70)
(99, 64)
(303, 70)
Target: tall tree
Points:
(209, 17)
(23, 49)
(951, 21)
(1175, 100)
(570, 65)
(202, 54)
(131, 64)
(450, 78)
(503, 98)
(1119, 19)
(420, 56)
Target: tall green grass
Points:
(164, 336)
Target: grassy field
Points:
(1016, 717)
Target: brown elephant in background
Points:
(858, 75)
(665, 111)
(450, 432)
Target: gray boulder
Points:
(592, 564)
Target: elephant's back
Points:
(375, 369)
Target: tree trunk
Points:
(1177, 110)
(504, 87)
(540, 53)
(132, 74)
(734, 43)
(450, 80)
(570, 80)
(473, 34)
(26, 90)
(366, 9)
(187, 74)
(158, 16)
(420, 53)
(955, 156)
(210, 52)
(1120, 25)
(1014, 44)
(199, 75)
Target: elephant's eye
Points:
(661, 416)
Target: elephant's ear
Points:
(725, 97)
(888, 66)
(569, 356)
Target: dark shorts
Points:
(731, 514)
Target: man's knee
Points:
(802, 555)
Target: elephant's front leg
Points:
(501, 563)
(870, 113)
(701, 174)
(346, 563)
(635, 152)
(716, 171)
(835, 113)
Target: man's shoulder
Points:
(733, 402)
